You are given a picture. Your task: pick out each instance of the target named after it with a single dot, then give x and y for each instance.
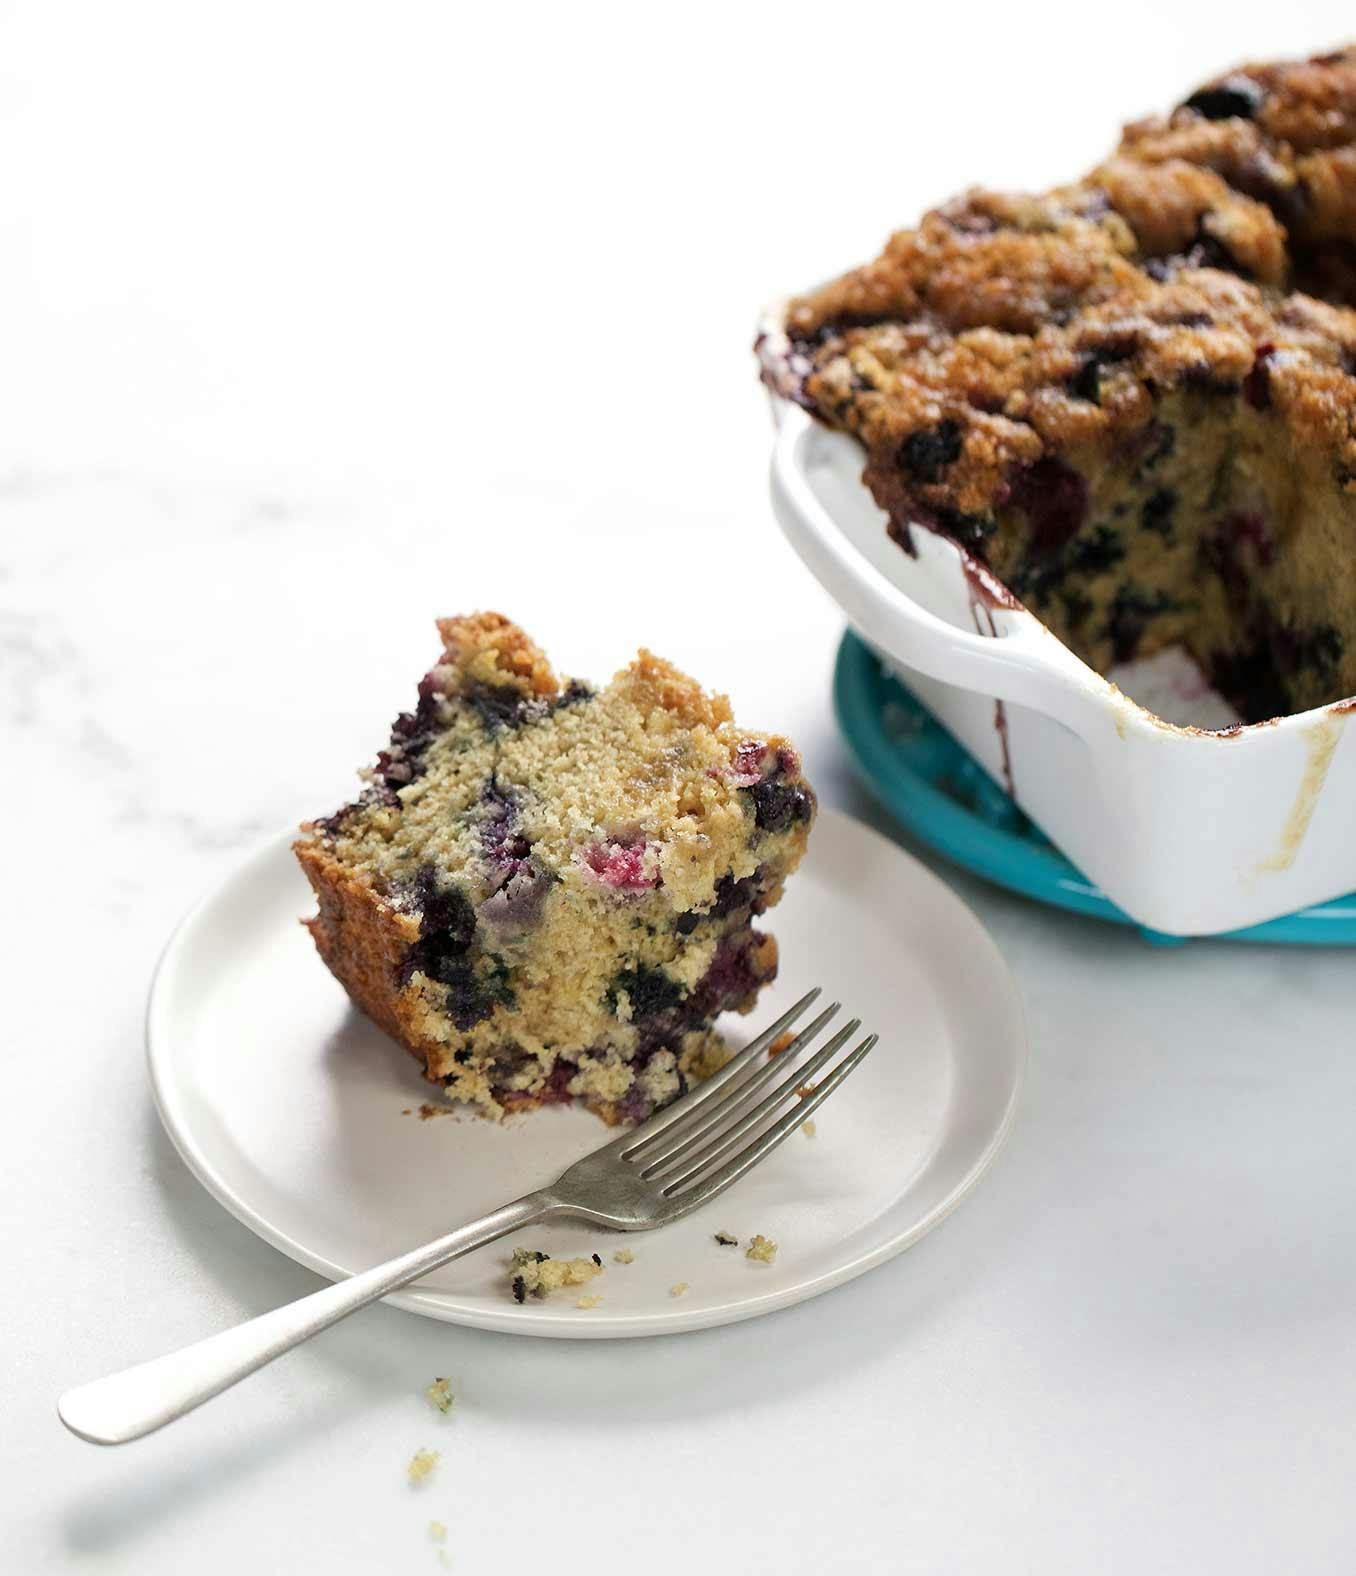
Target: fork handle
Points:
(139, 1400)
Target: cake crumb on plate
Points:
(808, 1128)
(677, 1289)
(421, 1466)
(588, 1302)
(764, 1249)
(437, 1530)
(536, 1273)
(726, 1240)
(623, 1256)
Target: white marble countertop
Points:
(320, 322)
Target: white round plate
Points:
(303, 1119)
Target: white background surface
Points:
(319, 321)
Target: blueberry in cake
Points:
(1134, 397)
(547, 892)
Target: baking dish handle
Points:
(1025, 664)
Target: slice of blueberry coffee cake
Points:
(547, 892)
(1134, 397)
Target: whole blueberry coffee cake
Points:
(547, 892)
(1134, 397)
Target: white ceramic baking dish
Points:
(1190, 831)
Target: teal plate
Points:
(947, 800)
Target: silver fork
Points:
(680, 1159)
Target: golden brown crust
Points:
(1236, 149)
(1019, 369)
(1175, 206)
(1306, 104)
(489, 649)
(658, 683)
(362, 940)
(1290, 144)
(1166, 267)
(1015, 398)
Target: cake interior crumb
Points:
(764, 1249)
(421, 1466)
(623, 1256)
(440, 1394)
(677, 1289)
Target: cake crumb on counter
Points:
(421, 1466)
(764, 1249)
(726, 1240)
(439, 1394)
(623, 1256)
(677, 1289)
(535, 1273)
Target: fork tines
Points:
(708, 1139)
